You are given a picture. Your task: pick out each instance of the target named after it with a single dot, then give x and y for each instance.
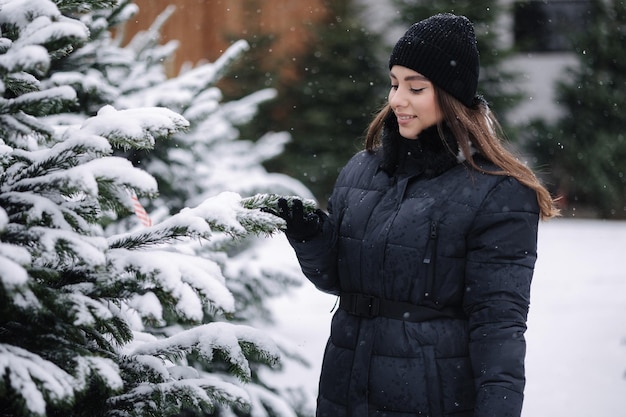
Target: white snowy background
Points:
(576, 358)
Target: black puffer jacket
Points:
(414, 224)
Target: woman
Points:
(430, 243)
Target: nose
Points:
(397, 98)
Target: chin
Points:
(410, 134)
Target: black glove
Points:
(300, 226)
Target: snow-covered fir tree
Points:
(100, 315)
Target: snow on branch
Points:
(37, 209)
(232, 342)
(240, 112)
(146, 40)
(30, 59)
(54, 34)
(222, 213)
(122, 173)
(21, 12)
(81, 184)
(13, 258)
(65, 247)
(12, 274)
(105, 369)
(189, 282)
(85, 310)
(231, 54)
(270, 202)
(34, 379)
(169, 398)
(39, 381)
(189, 88)
(40, 103)
(14, 261)
(265, 399)
(135, 128)
(73, 150)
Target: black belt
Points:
(369, 307)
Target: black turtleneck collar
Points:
(427, 155)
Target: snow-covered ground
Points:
(576, 360)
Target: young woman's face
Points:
(412, 99)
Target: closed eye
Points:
(412, 90)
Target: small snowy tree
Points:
(206, 159)
(586, 148)
(338, 84)
(98, 318)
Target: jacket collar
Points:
(427, 155)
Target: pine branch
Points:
(32, 126)
(82, 6)
(32, 59)
(19, 130)
(61, 157)
(228, 57)
(20, 83)
(49, 29)
(135, 128)
(179, 284)
(231, 342)
(39, 379)
(270, 202)
(147, 40)
(225, 213)
(31, 209)
(121, 12)
(201, 395)
(42, 103)
(162, 233)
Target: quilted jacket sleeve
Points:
(500, 262)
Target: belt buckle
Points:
(367, 306)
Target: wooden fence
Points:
(205, 28)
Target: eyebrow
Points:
(417, 77)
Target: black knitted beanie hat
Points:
(443, 49)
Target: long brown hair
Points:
(479, 127)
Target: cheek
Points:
(434, 104)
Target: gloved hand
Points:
(300, 226)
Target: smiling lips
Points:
(404, 118)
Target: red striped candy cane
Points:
(141, 212)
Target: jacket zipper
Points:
(429, 259)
